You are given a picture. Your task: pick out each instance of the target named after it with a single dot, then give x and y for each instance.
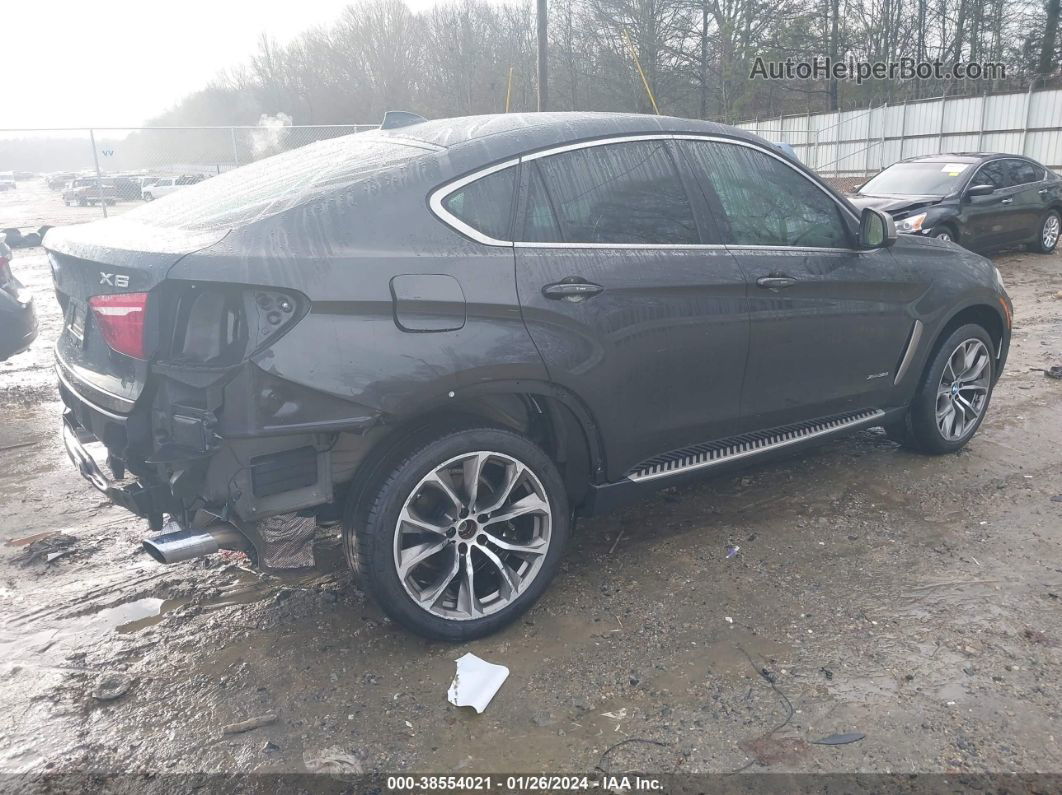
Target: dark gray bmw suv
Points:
(456, 336)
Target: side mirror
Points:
(980, 190)
(876, 229)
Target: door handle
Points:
(571, 290)
(774, 282)
(1042, 191)
(1007, 201)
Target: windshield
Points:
(918, 179)
(270, 186)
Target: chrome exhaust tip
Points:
(187, 544)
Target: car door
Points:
(828, 322)
(1030, 197)
(991, 220)
(634, 309)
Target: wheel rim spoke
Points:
(414, 556)
(528, 505)
(535, 547)
(509, 581)
(513, 474)
(430, 596)
(407, 517)
(472, 469)
(466, 595)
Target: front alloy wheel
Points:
(953, 397)
(963, 389)
(460, 532)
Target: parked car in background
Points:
(60, 180)
(982, 201)
(459, 334)
(89, 190)
(18, 320)
(7, 180)
(167, 185)
(127, 187)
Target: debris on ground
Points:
(250, 724)
(21, 542)
(840, 739)
(111, 687)
(732, 551)
(45, 549)
(827, 672)
(475, 682)
(1054, 371)
(333, 762)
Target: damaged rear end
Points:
(144, 364)
(165, 401)
(174, 408)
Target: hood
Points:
(894, 205)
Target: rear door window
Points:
(763, 201)
(1022, 172)
(486, 204)
(621, 193)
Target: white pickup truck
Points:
(167, 185)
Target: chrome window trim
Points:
(439, 195)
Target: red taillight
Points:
(120, 319)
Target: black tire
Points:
(371, 526)
(945, 231)
(922, 431)
(1038, 245)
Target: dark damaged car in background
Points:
(18, 319)
(455, 337)
(981, 201)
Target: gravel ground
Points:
(909, 598)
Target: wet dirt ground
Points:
(910, 598)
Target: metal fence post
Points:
(940, 134)
(1028, 113)
(99, 176)
(884, 122)
(903, 129)
(981, 132)
(235, 149)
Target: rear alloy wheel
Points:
(465, 534)
(1049, 233)
(955, 392)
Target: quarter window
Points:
(1022, 172)
(618, 194)
(762, 200)
(486, 205)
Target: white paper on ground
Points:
(475, 682)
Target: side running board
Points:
(711, 453)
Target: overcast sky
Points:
(116, 63)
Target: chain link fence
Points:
(63, 176)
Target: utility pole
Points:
(543, 92)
